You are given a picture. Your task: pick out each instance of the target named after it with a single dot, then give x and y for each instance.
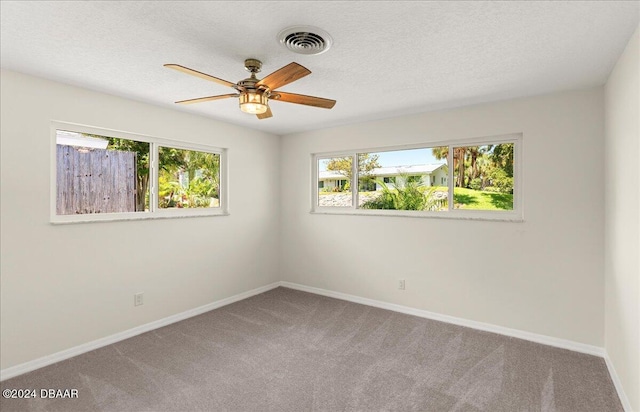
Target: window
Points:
(473, 178)
(188, 179)
(98, 174)
(483, 177)
(402, 179)
(334, 181)
(105, 175)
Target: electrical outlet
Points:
(401, 284)
(138, 299)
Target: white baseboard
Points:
(626, 404)
(533, 337)
(108, 340)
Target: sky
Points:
(399, 158)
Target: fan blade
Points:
(303, 99)
(285, 75)
(207, 99)
(266, 114)
(199, 74)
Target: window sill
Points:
(108, 217)
(455, 214)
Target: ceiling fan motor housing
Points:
(253, 65)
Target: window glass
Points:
(102, 175)
(470, 179)
(188, 179)
(403, 179)
(98, 174)
(334, 182)
(483, 177)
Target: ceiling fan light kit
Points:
(252, 100)
(254, 103)
(254, 94)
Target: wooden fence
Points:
(95, 181)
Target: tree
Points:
(484, 167)
(366, 164)
(202, 172)
(207, 163)
(502, 157)
(190, 162)
(479, 166)
(458, 160)
(440, 152)
(478, 162)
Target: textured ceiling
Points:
(388, 58)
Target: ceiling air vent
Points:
(305, 39)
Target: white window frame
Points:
(154, 211)
(515, 215)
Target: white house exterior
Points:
(429, 175)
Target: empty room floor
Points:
(286, 350)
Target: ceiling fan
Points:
(254, 94)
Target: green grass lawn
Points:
(479, 200)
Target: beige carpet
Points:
(286, 350)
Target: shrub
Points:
(476, 184)
(505, 185)
(410, 196)
(383, 201)
(500, 181)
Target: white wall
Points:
(66, 285)
(544, 275)
(622, 235)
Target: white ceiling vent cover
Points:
(305, 39)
